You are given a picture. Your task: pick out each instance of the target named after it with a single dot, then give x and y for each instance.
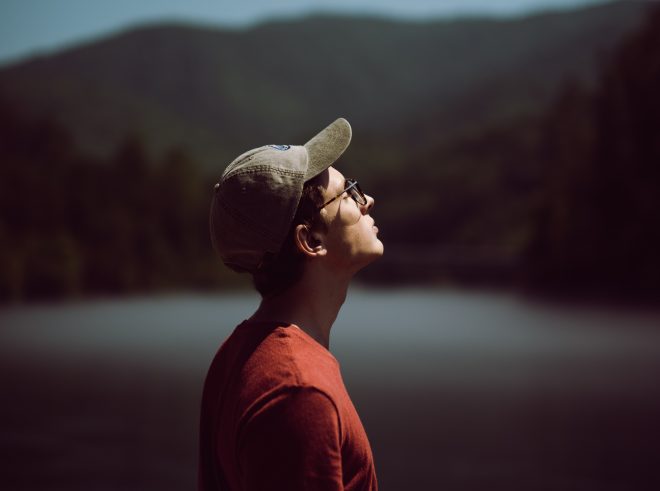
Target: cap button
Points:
(216, 186)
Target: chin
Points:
(372, 255)
(380, 249)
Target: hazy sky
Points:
(31, 26)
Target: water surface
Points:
(457, 390)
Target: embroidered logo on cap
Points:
(280, 147)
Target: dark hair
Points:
(282, 270)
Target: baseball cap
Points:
(257, 196)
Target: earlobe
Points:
(309, 243)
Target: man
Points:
(275, 412)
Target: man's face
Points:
(351, 238)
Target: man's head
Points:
(275, 203)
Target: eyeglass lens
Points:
(356, 192)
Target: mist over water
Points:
(456, 389)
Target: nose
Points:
(366, 208)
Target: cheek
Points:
(355, 239)
(348, 215)
(342, 245)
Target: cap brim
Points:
(327, 146)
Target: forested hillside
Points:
(534, 164)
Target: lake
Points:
(458, 390)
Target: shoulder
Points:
(260, 361)
(287, 354)
(314, 366)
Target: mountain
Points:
(217, 92)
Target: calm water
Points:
(457, 390)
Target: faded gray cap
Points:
(257, 196)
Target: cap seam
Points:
(238, 163)
(264, 167)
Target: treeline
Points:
(597, 229)
(72, 225)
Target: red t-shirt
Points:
(276, 415)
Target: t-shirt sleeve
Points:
(292, 443)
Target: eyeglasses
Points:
(353, 189)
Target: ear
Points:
(311, 244)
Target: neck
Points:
(312, 304)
